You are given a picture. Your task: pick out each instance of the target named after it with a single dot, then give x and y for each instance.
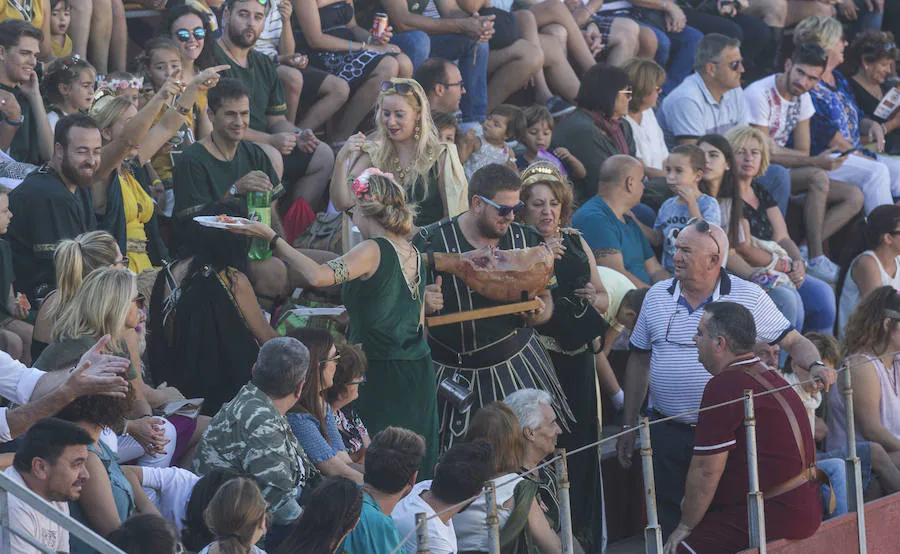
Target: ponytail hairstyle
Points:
(380, 198)
(63, 71)
(728, 188)
(75, 258)
(866, 329)
(234, 514)
(868, 234)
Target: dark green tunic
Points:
(427, 197)
(266, 94)
(24, 146)
(400, 387)
(45, 213)
(199, 177)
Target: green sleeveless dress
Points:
(400, 387)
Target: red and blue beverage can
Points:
(379, 25)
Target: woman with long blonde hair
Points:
(106, 303)
(406, 144)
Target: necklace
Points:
(226, 44)
(399, 170)
(411, 284)
(222, 152)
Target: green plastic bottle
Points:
(259, 206)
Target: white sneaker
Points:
(804, 251)
(824, 269)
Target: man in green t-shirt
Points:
(305, 163)
(33, 141)
(224, 165)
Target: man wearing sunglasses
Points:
(664, 355)
(496, 354)
(710, 101)
(780, 106)
(303, 160)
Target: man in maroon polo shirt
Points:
(714, 510)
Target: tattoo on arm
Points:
(603, 252)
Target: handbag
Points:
(323, 234)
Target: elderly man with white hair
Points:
(664, 356)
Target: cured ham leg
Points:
(501, 275)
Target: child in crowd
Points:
(537, 137)
(15, 334)
(625, 303)
(236, 517)
(122, 83)
(447, 126)
(504, 123)
(68, 87)
(60, 17)
(684, 172)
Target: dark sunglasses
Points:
(399, 88)
(358, 381)
(735, 64)
(703, 226)
(184, 35)
(123, 262)
(503, 211)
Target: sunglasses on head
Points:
(503, 211)
(399, 88)
(703, 226)
(199, 33)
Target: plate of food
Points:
(221, 221)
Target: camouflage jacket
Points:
(250, 436)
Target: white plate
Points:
(306, 311)
(211, 221)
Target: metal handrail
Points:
(27, 496)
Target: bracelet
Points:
(814, 364)
(273, 240)
(884, 129)
(155, 182)
(351, 47)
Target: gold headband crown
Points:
(541, 170)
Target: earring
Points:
(416, 132)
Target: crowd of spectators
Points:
(224, 226)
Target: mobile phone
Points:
(848, 152)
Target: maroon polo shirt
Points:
(793, 515)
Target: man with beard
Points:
(54, 203)
(304, 163)
(19, 45)
(443, 84)
(50, 463)
(496, 355)
(780, 105)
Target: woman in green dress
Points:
(383, 287)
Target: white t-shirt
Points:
(24, 517)
(270, 37)
(649, 140)
(769, 109)
(441, 536)
(169, 488)
(471, 529)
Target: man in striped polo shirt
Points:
(665, 357)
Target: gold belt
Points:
(136, 246)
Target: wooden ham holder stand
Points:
(441, 262)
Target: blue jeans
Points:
(777, 181)
(678, 50)
(673, 448)
(471, 56)
(835, 469)
(810, 308)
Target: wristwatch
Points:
(233, 191)
(815, 363)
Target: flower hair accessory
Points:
(360, 185)
(114, 85)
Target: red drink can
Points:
(379, 25)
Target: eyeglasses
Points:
(358, 382)
(814, 50)
(733, 65)
(669, 328)
(199, 33)
(334, 358)
(629, 92)
(503, 211)
(399, 88)
(457, 84)
(123, 262)
(701, 225)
